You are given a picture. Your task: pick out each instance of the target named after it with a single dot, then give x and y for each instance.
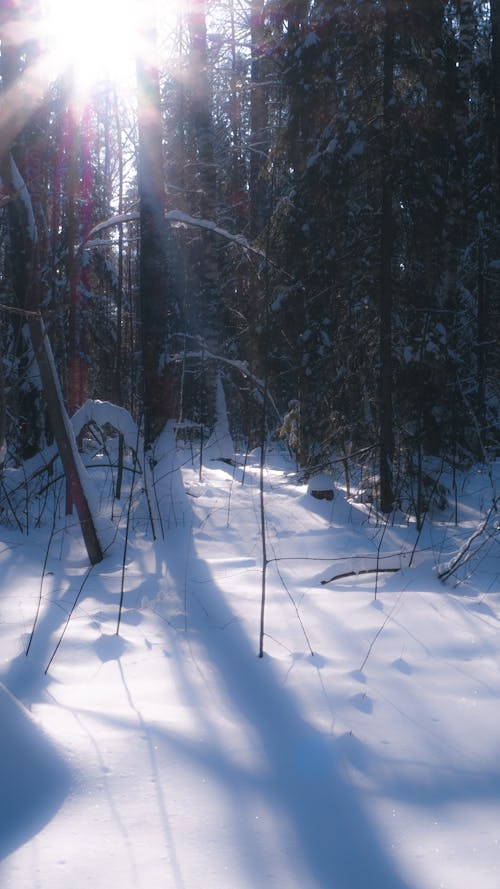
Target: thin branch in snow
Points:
(377, 570)
(127, 529)
(44, 568)
(296, 609)
(379, 631)
(61, 637)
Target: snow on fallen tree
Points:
(104, 413)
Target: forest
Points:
(249, 444)
(299, 199)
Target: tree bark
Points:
(386, 434)
(259, 136)
(495, 69)
(158, 397)
(64, 437)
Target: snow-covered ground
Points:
(361, 752)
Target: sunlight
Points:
(92, 39)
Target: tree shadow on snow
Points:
(34, 779)
(304, 777)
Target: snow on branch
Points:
(117, 219)
(177, 217)
(241, 366)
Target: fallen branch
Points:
(466, 552)
(361, 571)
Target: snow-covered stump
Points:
(321, 487)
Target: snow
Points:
(171, 755)
(103, 412)
(220, 444)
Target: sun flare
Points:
(93, 40)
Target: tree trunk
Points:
(79, 202)
(206, 267)
(158, 398)
(495, 69)
(28, 299)
(64, 437)
(386, 435)
(259, 136)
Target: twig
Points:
(265, 561)
(125, 546)
(39, 605)
(296, 608)
(7, 497)
(157, 500)
(378, 555)
(379, 631)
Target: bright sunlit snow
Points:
(172, 756)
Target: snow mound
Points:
(34, 779)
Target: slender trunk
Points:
(259, 137)
(117, 382)
(263, 530)
(202, 131)
(481, 348)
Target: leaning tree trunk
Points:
(22, 219)
(64, 437)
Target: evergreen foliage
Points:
(355, 146)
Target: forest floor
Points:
(360, 752)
